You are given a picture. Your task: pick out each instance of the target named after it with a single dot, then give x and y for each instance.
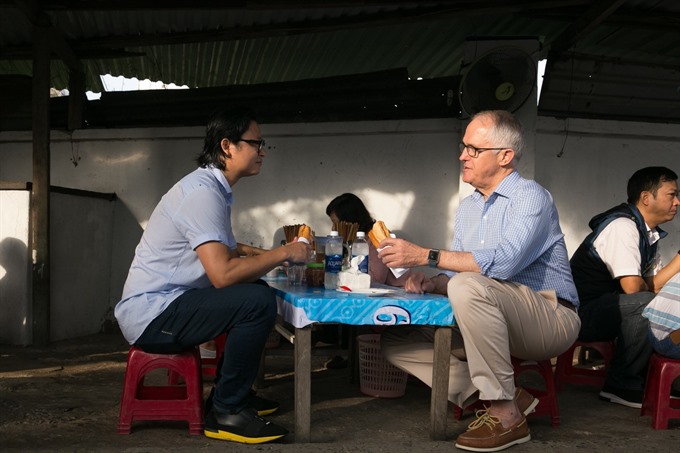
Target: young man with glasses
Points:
(190, 281)
(507, 277)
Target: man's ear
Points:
(225, 147)
(507, 156)
(645, 197)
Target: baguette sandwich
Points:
(378, 233)
(305, 232)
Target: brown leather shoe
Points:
(526, 402)
(487, 433)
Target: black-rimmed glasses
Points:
(259, 144)
(473, 151)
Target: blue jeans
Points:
(619, 316)
(246, 311)
(665, 347)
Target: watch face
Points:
(433, 255)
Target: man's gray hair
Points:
(506, 131)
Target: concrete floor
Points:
(66, 398)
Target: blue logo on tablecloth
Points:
(391, 315)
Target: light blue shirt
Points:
(663, 311)
(195, 210)
(515, 235)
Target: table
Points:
(304, 306)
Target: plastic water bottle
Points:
(333, 260)
(360, 248)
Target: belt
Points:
(566, 303)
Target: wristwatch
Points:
(433, 258)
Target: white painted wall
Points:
(79, 275)
(15, 270)
(405, 171)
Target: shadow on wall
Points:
(13, 280)
(126, 235)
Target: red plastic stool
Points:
(209, 365)
(168, 402)
(566, 372)
(547, 400)
(657, 400)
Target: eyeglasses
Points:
(259, 144)
(473, 151)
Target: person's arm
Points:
(631, 284)
(376, 268)
(248, 250)
(224, 267)
(661, 278)
(618, 247)
(401, 253)
(418, 283)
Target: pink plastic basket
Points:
(378, 377)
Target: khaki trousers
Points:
(494, 321)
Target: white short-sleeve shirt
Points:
(619, 248)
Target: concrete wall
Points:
(406, 172)
(15, 270)
(81, 237)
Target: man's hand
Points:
(418, 283)
(401, 253)
(298, 251)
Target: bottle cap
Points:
(361, 234)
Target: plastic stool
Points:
(547, 400)
(657, 400)
(168, 402)
(566, 372)
(209, 365)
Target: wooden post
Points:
(76, 99)
(40, 189)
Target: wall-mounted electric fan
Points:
(501, 79)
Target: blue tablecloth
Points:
(302, 306)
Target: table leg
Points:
(303, 378)
(352, 355)
(440, 383)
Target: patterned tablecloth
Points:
(302, 306)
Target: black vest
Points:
(591, 276)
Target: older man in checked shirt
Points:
(508, 279)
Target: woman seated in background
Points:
(349, 208)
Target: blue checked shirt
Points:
(515, 235)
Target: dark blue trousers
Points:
(247, 312)
(619, 316)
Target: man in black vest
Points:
(617, 271)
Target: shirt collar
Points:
(220, 178)
(505, 187)
(652, 235)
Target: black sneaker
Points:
(261, 405)
(625, 397)
(245, 427)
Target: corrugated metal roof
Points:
(278, 41)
